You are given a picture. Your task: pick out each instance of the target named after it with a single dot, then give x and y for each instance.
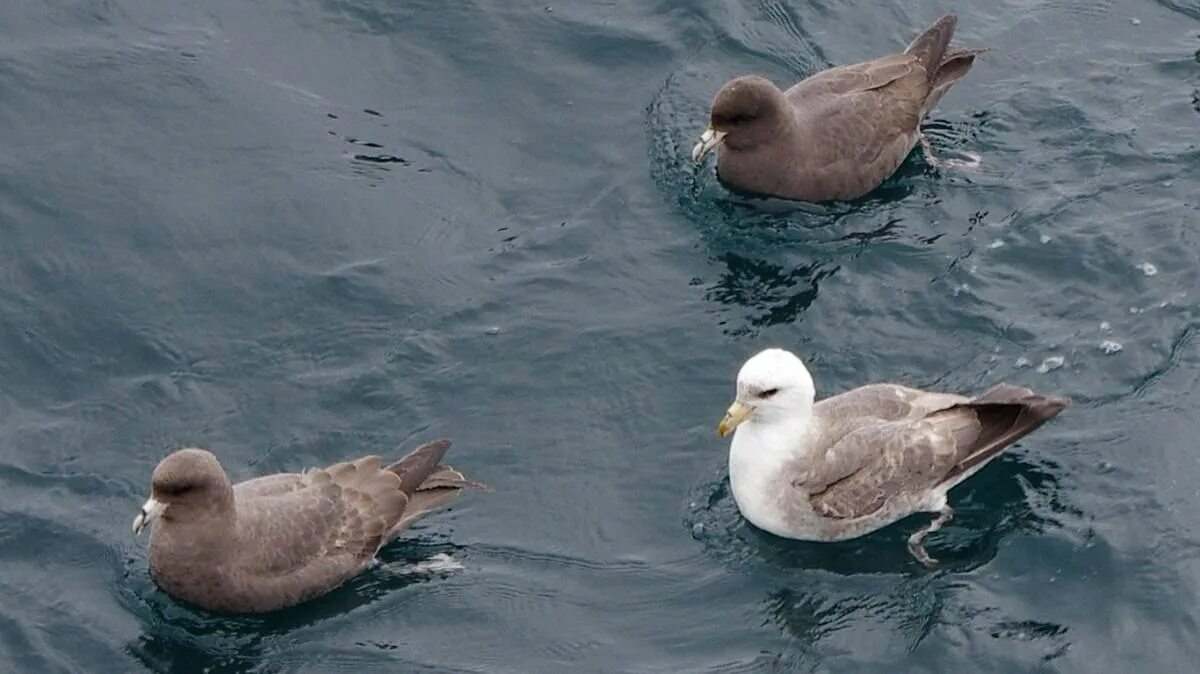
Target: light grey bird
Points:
(837, 134)
(281, 539)
(853, 463)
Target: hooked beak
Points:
(734, 416)
(150, 512)
(709, 140)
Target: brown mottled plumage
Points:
(281, 539)
(837, 134)
(845, 466)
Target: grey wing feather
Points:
(316, 526)
(345, 511)
(953, 436)
(873, 403)
(897, 457)
(861, 113)
(930, 46)
(851, 79)
(286, 531)
(269, 485)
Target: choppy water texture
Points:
(298, 231)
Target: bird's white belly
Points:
(773, 505)
(761, 482)
(765, 497)
(761, 512)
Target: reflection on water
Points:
(772, 294)
(184, 638)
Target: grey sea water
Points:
(296, 231)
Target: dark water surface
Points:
(298, 231)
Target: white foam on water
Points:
(439, 563)
(1051, 363)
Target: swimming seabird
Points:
(278, 540)
(837, 134)
(845, 466)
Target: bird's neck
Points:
(767, 442)
(197, 538)
(761, 458)
(769, 135)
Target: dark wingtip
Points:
(944, 21)
(932, 43)
(1044, 407)
(1054, 404)
(419, 464)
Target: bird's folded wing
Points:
(854, 78)
(344, 510)
(873, 464)
(269, 485)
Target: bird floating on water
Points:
(281, 539)
(837, 134)
(845, 466)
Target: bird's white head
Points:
(772, 384)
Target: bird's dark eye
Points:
(768, 393)
(726, 121)
(176, 489)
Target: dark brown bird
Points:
(281, 539)
(837, 134)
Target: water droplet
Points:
(1105, 325)
(1148, 269)
(494, 330)
(1110, 347)
(698, 530)
(1051, 363)
(1136, 22)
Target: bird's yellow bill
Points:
(709, 140)
(734, 416)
